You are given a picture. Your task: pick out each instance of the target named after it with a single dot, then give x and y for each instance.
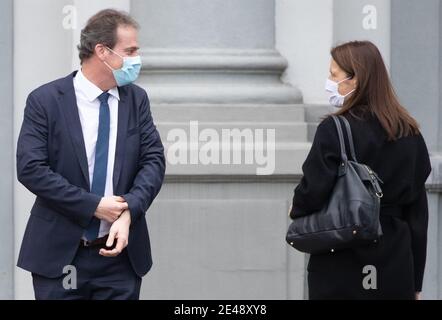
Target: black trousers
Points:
(91, 277)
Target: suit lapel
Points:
(123, 118)
(68, 103)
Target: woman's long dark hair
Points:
(374, 91)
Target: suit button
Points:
(332, 250)
(354, 232)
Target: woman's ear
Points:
(354, 82)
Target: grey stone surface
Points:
(228, 24)
(415, 66)
(6, 156)
(222, 241)
(363, 20)
(219, 75)
(416, 60)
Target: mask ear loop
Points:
(351, 90)
(114, 52)
(112, 69)
(107, 65)
(344, 80)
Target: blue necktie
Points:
(100, 166)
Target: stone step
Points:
(286, 158)
(226, 113)
(262, 94)
(283, 131)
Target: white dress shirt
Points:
(89, 109)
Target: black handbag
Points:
(351, 216)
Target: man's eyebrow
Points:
(132, 49)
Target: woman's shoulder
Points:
(360, 120)
(326, 130)
(358, 115)
(327, 123)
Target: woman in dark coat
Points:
(387, 139)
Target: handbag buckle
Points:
(342, 168)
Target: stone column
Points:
(215, 62)
(218, 229)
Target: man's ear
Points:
(100, 51)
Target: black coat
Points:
(399, 256)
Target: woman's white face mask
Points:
(335, 98)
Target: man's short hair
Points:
(102, 29)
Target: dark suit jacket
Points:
(52, 164)
(400, 255)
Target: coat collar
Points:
(89, 89)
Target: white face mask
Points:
(335, 98)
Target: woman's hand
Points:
(417, 295)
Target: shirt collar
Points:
(90, 90)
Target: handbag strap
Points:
(341, 140)
(350, 138)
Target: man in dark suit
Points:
(89, 150)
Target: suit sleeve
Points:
(34, 172)
(152, 164)
(416, 214)
(319, 171)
